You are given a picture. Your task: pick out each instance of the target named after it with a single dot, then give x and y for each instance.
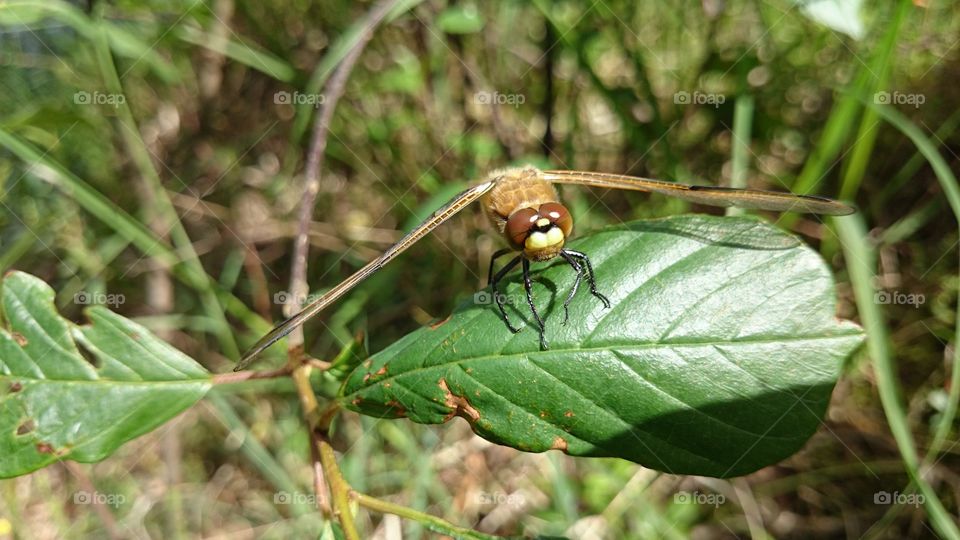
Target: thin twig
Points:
(315, 155)
(324, 463)
(240, 376)
(312, 415)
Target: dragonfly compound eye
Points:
(558, 215)
(519, 225)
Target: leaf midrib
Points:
(631, 347)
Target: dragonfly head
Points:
(539, 232)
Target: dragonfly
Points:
(522, 204)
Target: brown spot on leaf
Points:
(356, 401)
(16, 387)
(26, 427)
(568, 414)
(20, 339)
(459, 405)
(438, 324)
(398, 409)
(45, 448)
(379, 372)
(559, 444)
(387, 385)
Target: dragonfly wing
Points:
(714, 196)
(443, 214)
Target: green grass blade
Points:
(244, 53)
(130, 133)
(948, 182)
(861, 261)
(742, 124)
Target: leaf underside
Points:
(56, 404)
(717, 357)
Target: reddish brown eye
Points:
(519, 224)
(558, 214)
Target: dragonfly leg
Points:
(495, 290)
(528, 285)
(576, 284)
(591, 280)
(493, 258)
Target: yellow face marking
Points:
(543, 222)
(554, 236)
(541, 240)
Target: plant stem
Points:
(433, 523)
(339, 491)
(318, 144)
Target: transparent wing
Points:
(281, 330)
(714, 196)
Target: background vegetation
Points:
(204, 149)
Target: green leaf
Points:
(55, 404)
(717, 357)
(460, 20)
(840, 15)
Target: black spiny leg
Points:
(493, 258)
(495, 281)
(528, 285)
(590, 277)
(576, 284)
